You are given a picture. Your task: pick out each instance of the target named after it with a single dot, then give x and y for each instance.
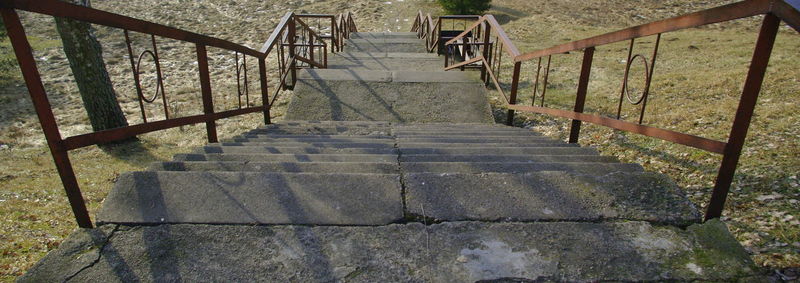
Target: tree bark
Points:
(85, 57)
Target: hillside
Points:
(698, 78)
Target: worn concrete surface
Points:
(253, 198)
(389, 101)
(289, 167)
(280, 157)
(449, 252)
(547, 196)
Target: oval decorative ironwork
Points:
(159, 86)
(646, 80)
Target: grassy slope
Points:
(35, 214)
(696, 85)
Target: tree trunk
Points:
(86, 61)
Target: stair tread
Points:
(548, 196)
(253, 198)
(449, 252)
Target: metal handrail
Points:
(293, 40)
(774, 12)
(432, 34)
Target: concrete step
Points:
(328, 123)
(352, 139)
(548, 196)
(342, 131)
(482, 139)
(388, 96)
(501, 151)
(328, 76)
(286, 157)
(250, 142)
(385, 45)
(466, 136)
(476, 133)
(411, 35)
(465, 145)
(386, 64)
(505, 158)
(588, 168)
(268, 134)
(449, 252)
(294, 150)
(253, 198)
(317, 138)
(385, 55)
(287, 167)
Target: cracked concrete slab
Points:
(449, 252)
(547, 196)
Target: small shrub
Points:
(465, 7)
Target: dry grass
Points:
(696, 86)
(36, 217)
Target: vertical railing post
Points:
(580, 99)
(333, 34)
(512, 99)
(741, 122)
(23, 52)
(205, 86)
(486, 38)
(292, 40)
(262, 71)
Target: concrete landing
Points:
(395, 96)
(449, 252)
(254, 198)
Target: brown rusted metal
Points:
(513, 97)
(744, 113)
(667, 135)
(283, 37)
(546, 77)
(580, 98)
(30, 73)
(205, 86)
(649, 78)
(262, 73)
(715, 15)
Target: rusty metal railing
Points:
(434, 34)
(484, 54)
(295, 43)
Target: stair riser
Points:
(248, 142)
(287, 157)
(520, 167)
(295, 150)
(503, 151)
(506, 158)
(284, 167)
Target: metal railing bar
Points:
(714, 15)
(667, 135)
(65, 10)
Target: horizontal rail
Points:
(112, 135)
(66, 10)
(471, 42)
(714, 15)
(667, 135)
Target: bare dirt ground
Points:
(698, 78)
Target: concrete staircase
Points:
(393, 201)
(388, 77)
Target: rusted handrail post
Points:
(486, 38)
(292, 38)
(741, 122)
(580, 99)
(512, 99)
(262, 71)
(205, 86)
(30, 73)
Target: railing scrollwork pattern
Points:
(294, 44)
(487, 54)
